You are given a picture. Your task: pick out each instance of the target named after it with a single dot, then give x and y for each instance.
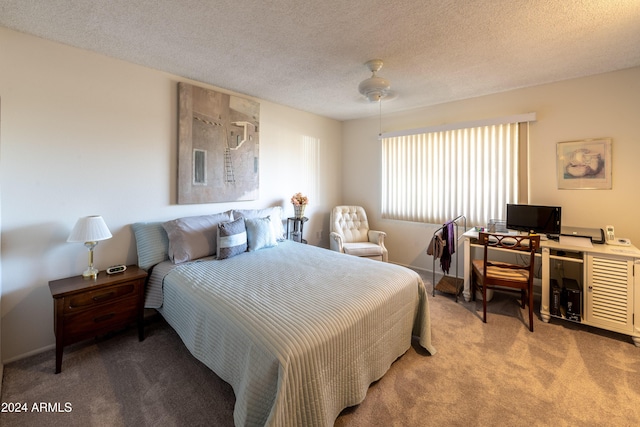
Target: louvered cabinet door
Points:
(609, 298)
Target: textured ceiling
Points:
(310, 55)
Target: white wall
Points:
(606, 105)
(86, 134)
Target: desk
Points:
(610, 291)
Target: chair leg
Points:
(484, 303)
(474, 286)
(530, 309)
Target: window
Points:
(474, 169)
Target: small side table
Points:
(296, 229)
(86, 308)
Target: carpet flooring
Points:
(499, 373)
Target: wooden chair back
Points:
(529, 244)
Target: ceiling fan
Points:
(375, 88)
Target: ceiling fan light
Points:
(374, 88)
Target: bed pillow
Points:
(232, 238)
(260, 233)
(193, 237)
(274, 213)
(152, 243)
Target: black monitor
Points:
(533, 218)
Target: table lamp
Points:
(90, 230)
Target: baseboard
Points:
(422, 270)
(30, 353)
(428, 274)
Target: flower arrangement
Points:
(299, 199)
(299, 202)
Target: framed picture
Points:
(584, 165)
(218, 146)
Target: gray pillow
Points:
(260, 233)
(193, 237)
(232, 238)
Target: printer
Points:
(596, 235)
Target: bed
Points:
(298, 331)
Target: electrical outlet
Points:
(319, 235)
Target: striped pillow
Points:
(152, 243)
(232, 238)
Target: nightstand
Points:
(296, 231)
(86, 308)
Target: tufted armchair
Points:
(350, 234)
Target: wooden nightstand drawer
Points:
(99, 296)
(85, 308)
(105, 318)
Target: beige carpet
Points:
(483, 374)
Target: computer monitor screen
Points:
(533, 218)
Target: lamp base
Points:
(90, 273)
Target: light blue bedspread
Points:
(298, 331)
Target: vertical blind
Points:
(435, 176)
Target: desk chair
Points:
(487, 274)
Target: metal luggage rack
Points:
(449, 284)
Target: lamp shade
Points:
(89, 229)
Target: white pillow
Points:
(260, 233)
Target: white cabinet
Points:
(609, 293)
(609, 283)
